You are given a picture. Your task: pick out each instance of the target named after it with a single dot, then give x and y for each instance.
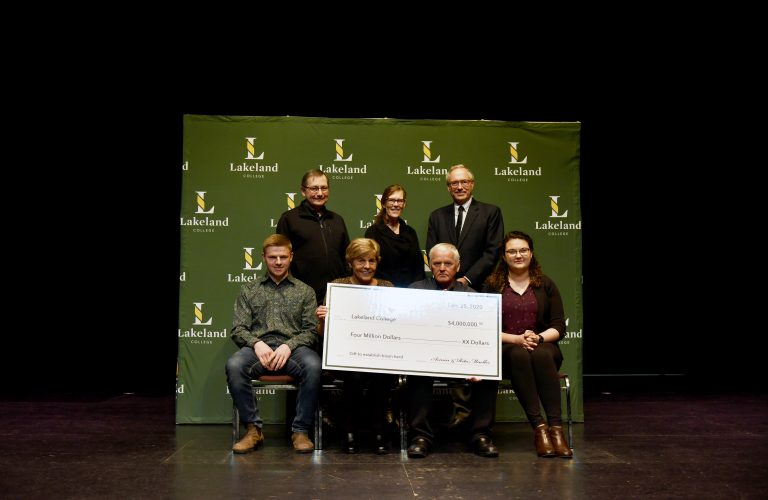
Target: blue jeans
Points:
(303, 364)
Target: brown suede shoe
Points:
(559, 443)
(252, 439)
(541, 439)
(302, 443)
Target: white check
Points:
(414, 332)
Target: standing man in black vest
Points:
(477, 230)
(319, 236)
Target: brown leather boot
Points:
(541, 439)
(559, 443)
(252, 439)
(302, 443)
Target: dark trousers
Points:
(534, 375)
(460, 397)
(482, 403)
(365, 408)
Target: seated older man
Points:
(444, 262)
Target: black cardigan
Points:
(401, 262)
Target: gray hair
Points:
(447, 247)
(448, 174)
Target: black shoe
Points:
(381, 446)
(350, 445)
(484, 447)
(419, 448)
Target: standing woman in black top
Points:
(401, 262)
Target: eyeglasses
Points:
(523, 252)
(316, 189)
(394, 201)
(464, 183)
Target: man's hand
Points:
(264, 353)
(282, 354)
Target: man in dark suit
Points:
(479, 234)
(477, 230)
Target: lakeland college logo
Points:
(431, 161)
(557, 227)
(202, 336)
(253, 169)
(342, 167)
(206, 224)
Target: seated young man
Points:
(275, 328)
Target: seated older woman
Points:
(363, 255)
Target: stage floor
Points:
(635, 444)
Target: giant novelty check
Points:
(414, 332)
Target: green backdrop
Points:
(241, 173)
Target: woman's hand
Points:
(322, 312)
(529, 340)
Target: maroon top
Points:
(518, 312)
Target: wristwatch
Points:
(541, 339)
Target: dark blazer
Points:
(481, 237)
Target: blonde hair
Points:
(276, 240)
(361, 247)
